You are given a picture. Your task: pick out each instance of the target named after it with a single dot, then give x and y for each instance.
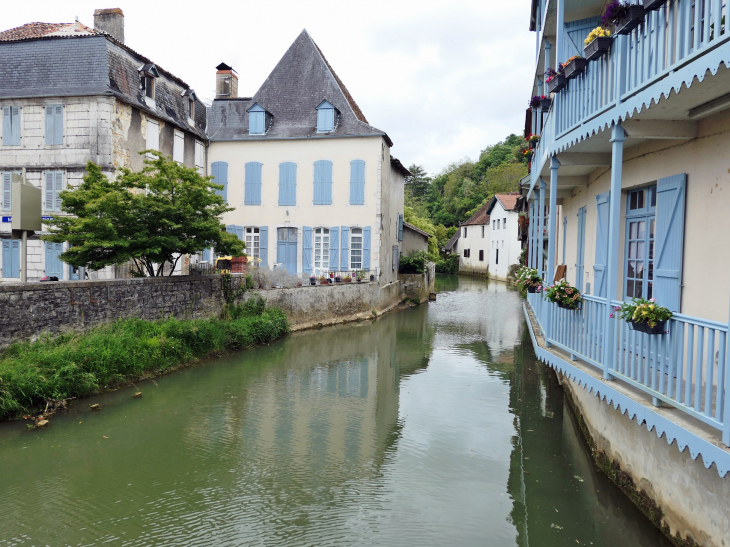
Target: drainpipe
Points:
(614, 218)
(554, 165)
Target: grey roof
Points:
(90, 64)
(298, 84)
(451, 242)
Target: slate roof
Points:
(71, 59)
(480, 217)
(451, 242)
(417, 230)
(298, 84)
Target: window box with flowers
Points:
(597, 44)
(623, 16)
(564, 295)
(545, 103)
(532, 141)
(529, 280)
(644, 315)
(527, 154)
(555, 80)
(535, 102)
(574, 67)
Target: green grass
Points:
(81, 364)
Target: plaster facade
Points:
(473, 247)
(504, 245)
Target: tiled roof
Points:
(508, 201)
(41, 30)
(480, 217)
(298, 84)
(417, 230)
(451, 242)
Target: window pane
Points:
(281, 234)
(638, 289)
(651, 228)
(631, 269)
(649, 290)
(639, 270)
(651, 270)
(292, 234)
(633, 230)
(640, 250)
(633, 201)
(642, 229)
(652, 197)
(651, 250)
(640, 199)
(630, 288)
(632, 249)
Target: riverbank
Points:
(74, 365)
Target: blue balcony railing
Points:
(683, 368)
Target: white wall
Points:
(474, 237)
(505, 239)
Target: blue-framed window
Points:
(325, 117)
(639, 247)
(256, 120)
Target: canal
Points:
(431, 426)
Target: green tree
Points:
(150, 217)
(418, 182)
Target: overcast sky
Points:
(443, 79)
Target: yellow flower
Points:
(652, 306)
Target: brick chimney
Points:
(226, 82)
(110, 21)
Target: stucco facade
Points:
(473, 247)
(504, 246)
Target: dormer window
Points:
(257, 120)
(325, 117)
(189, 96)
(147, 75)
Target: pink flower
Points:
(616, 308)
(652, 300)
(611, 316)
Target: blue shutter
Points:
(206, 255)
(7, 201)
(252, 185)
(231, 229)
(287, 183)
(357, 182)
(49, 125)
(239, 232)
(325, 117)
(53, 259)
(599, 266)
(323, 182)
(669, 241)
(15, 253)
(7, 259)
(334, 248)
(345, 256)
(256, 120)
(14, 126)
(58, 125)
(307, 250)
(400, 228)
(219, 170)
(580, 251)
(366, 248)
(264, 245)
(7, 126)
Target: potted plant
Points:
(574, 66)
(529, 280)
(555, 80)
(644, 315)
(545, 103)
(312, 280)
(347, 279)
(532, 141)
(623, 16)
(372, 277)
(338, 279)
(535, 102)
(597, 43)
(564, 295)
(527, 154)
(323, 280)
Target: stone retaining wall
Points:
(29, 310)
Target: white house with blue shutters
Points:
(630, 189)
(314, 187)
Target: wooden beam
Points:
(596, 159)
(660, 129)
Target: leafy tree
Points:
(151, 217)
(427, 226)
(417, 184)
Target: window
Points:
(147, 75)
(148, 83)
(504, 222)
(199, 157)
(11, 257)
(640, 230)
(54, 124)
(482, 232)
(357, 182)
(153, 136)
(8, 178)
(325, 117)
(464, 232)
(356, 249)
(178, 147)
(11, 126)
(287, 183)
(481, 256)
(321, 250)
(219, 170)
(496, 258)
(400, 227)
(256, 120)
(54, 185)
(191, 108)
(252, 184)
(323, 182)
(252, 240)
(467, 253)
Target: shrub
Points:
(414, 263)
(449, 265)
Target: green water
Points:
(431, 426)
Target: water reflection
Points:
(433, 426)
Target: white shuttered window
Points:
(53, 187)
(178, 148)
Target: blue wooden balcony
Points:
(669, 68)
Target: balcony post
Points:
(726, 410)
(540, 228)
(554, 165)
(614, 219)
(530, 231)
(534, 221)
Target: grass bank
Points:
(81, 364)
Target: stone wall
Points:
(27, 311)
(418, 286)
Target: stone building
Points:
(70, 94)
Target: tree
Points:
(418, 182)
(150, 217)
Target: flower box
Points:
(324, 282)
(531, 289)
(372, 277)
(545, 104)
(633, 18)
(575, 67)
(643, 326)
(556, 84)
(597, 48)
(652, 5)
(561, 305)
(532, 144)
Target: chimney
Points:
(110, 21)
(226, 82)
